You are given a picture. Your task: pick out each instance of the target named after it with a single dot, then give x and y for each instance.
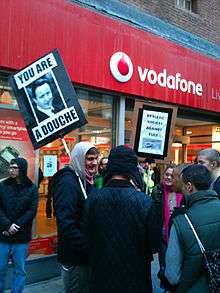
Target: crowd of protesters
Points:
(111, 223)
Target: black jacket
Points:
(69, 203)
(122, 234)
(18, 204)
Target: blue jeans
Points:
(18, 253)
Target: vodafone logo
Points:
(121, 67)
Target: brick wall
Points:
(205, 22)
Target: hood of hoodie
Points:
(23, 168)
(78, 155)
(22, 165)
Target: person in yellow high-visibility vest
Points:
(149, 175)
(149, 180)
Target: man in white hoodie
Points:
(70, 187)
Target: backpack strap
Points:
(195, 234)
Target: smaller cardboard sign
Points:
(153, 131)
(47, 99)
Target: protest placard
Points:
(47, 99)
(152, 138)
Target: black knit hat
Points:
(123, 161)
(22, 165)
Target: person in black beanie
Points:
(123, 160)
(18, 207)
(121, 229)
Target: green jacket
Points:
(204, 213)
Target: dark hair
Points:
(197, 175)
(170, 166)
(38, 83)
(181, 167)
(93, 151)
(23, 167)
(212, 155)
(150, 161)
(100, 169)
(102, 159)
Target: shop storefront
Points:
(111, 64)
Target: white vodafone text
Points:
(175, 82)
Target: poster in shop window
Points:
(47, 99)
(50, 165)
(14, 142)
(152, 134)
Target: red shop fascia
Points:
(107, 54)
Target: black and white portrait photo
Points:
(45, 97)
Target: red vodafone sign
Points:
(127, 60)
(122, 69)
(187, 78)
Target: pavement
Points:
(55, 285)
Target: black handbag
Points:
(211, 262)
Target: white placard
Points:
(153, 132)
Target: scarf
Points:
(89, 178)
(167, 214)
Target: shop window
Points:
(129, 107)
(100, 129)
(191, 136)
(191, 133)
(7, 97)
(189, 5)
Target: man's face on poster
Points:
(44, 96)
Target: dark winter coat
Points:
(158, 197)
(18, 205)
(69, 203)
(204, 212)
(122, 234)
